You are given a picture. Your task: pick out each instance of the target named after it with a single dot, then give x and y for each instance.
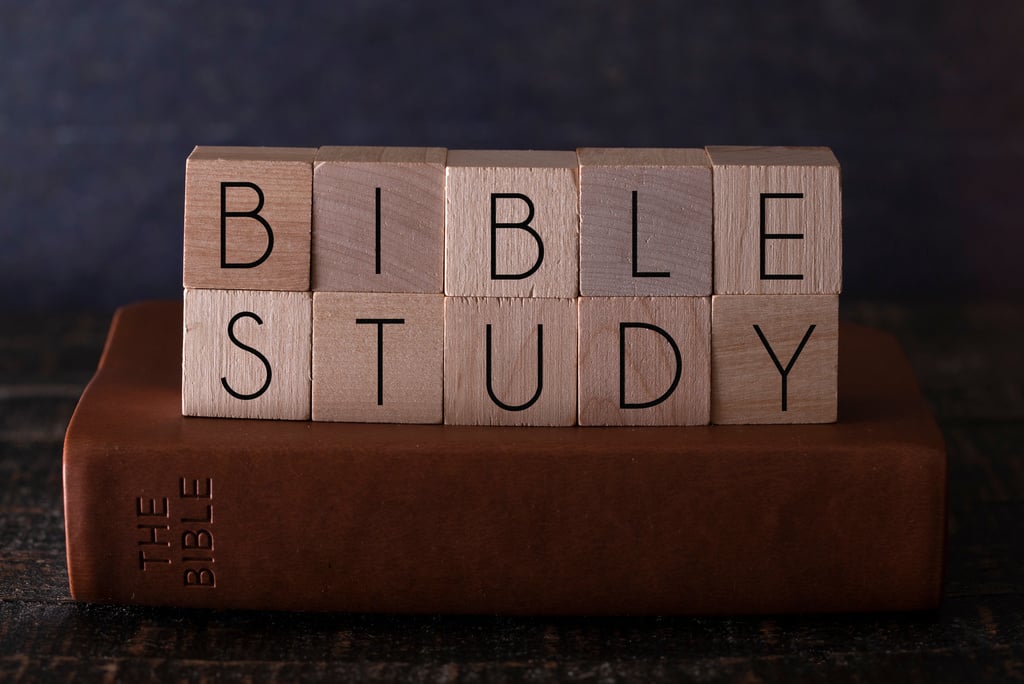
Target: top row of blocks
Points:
(596, 222)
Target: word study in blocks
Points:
(602, 287)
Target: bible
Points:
(162, 509)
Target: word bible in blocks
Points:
(596, 287)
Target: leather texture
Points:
(438, 519)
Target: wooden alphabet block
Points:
(246, 354)
(774, 358)
(247, 218)
(510, 361)
(644, 361)
(377, 357)
(378, 219)
(777, 220)
(511, 224)
(645, 222)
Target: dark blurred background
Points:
(101, 102)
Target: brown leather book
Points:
(167, 510)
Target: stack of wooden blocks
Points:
(597, 287)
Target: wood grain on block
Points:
(378, 219)
(774, 358)
(510, 361)
(246, 354)
(511, 224)
(377, 357)
(778, 220)
(247, 218)
(645, 222)
(644, 361)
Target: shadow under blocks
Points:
(633, 287)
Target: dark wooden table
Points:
(968, 358)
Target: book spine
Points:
(408, 532)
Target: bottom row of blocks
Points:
(412, 358)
